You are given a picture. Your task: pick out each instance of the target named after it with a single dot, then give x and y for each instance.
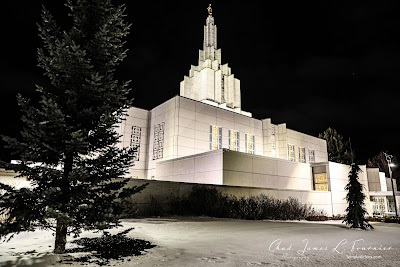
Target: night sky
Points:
(309, 64)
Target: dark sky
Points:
(310, 64)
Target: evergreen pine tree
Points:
(355, 198)
(339, 150)
(68, 146)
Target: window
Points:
(158, 144)
(291, 155)
(390, 203)
(302, 154)
(378, 205)
(136, 133)
(249, 143)
(320, 182)
(234, 140)
(311, 154)
(215, 137)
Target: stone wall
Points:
(159, 194)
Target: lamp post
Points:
(389, 161)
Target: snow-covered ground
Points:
(228, 242)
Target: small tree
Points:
(355, 199)
(68, 147)
(339, 150)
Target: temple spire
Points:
(211, 81)
(210, 32)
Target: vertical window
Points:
(273, 144)
(249, 143)
(158, 144)
(223, 88)
(215, 137)
(136, 133)
(390, 203)
(302, 154)
(378, 205)
(291, 155)
(234, 140)
(320, 182)
(311, 154)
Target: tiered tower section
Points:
(211, 82)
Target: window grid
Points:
(378, 205)
(249, 142)
(158, 144)
(320, 182)
(311, 155)
(234, 140)
(215, 137)
(291, 154)
(136, 133)
(302, 154)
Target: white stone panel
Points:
(183, 166)
(186, 178)
(187, 103)
(242, 119)
(225, 114)
(187, 123)
(339, 197)
(171, 104)
(225, 123)
(262, 180)
(382, 182)
(236, 178)
(185, 151)
(203, 136)
(242, 128)
(201, 126)
(320, 197)
(258, 124)
(200, 117)
(186, 113)
(185, 141)
(198, 150)
(208, 177)
(134, 112)
(186, 132)
(265, 166)
(234, 161)
(210, 162)
(293, 169)
(201, 145)
(206, 109)
(165, 170)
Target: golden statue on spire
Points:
(209, 9)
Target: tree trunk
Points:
(61, 228)
(61, 237)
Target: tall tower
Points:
(211, 82)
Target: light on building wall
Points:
(390, 164)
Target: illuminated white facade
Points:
(202, 136)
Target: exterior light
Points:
(390, 164)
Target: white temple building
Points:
(203, 136)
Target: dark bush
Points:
(206, 200)
(317, 218)
(392, 220)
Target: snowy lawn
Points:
(194, 241)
